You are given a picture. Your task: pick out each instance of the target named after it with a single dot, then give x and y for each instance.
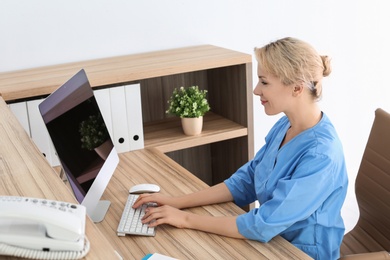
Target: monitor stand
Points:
(100, 211)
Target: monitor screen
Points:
(82, 142)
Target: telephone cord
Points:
(38, 254)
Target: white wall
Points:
(353, 32)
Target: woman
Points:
(298, 176)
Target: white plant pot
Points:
(192, 125)
(104, 149)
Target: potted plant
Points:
(190, 104)
(94, 135)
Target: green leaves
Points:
(188, 102)
(93, 132)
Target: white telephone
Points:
(45, 229)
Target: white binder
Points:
(119, 119)
(103, 100)
(20, 111)
(39, 133)
(134, 116)
(121, 109)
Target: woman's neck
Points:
(304, 119)
(301, 120)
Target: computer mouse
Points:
(144, 188)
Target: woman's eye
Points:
(263, 82)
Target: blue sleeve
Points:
(293, 199)
(241, 183)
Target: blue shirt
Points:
(301, 188)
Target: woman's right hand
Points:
(211, 195)
(158, 198)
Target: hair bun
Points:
(327, 67)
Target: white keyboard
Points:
(131, 219)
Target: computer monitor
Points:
(75, 125)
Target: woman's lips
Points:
(263, 102)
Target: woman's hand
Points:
(225, 226)
(157, 198)
(216, 194)
(168, 211)
(165, 215)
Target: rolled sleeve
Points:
(241, 183)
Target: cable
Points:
(38, 254)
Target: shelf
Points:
(168, 136)
(24, 84)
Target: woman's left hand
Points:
(165, 215)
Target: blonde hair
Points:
(293, 61)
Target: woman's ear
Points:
(297, 89)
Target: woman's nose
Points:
(257, 91)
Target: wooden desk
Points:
(25, 172)
(152, 166)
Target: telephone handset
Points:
(42, 226)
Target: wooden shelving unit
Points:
(226, 142)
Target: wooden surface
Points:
(107, 71)
(152, 166)
(25, 172)
(167, 135)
